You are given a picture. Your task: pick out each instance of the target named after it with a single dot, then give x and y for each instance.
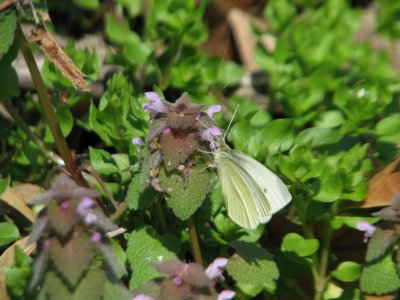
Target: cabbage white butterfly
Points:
(251, 191)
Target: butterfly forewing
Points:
(245, 201)
(275, 191)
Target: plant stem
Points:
(161, 215)
(25, 128)
(194, 241)
(322, 279)
(45, 100)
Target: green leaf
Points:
(331, 189)
(9, 84)
(316, 137)
(4, 184)
(347, 271)
(380, 277)
(252, 265)
(8, 24)
(330, 119)
(136, 52)
(88, 4)
(118, 31)
(8, 233)
(186, 196)
(144, 248)
(102, 161)
(389, 125)
(294, 242)
(278, 135)
(138, 199)
(64, 119)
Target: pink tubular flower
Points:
(215, 269)
(137, 141)
(212, 110)
(209, 135)
(156, 104)
(85, 206)
(143, 297)
(226, 295)
(95, 237)
(368, 229)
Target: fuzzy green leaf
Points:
(186, 197)
(73, 258)
(380, 242)
(252, 265)
(143, 249)
(294, 242)
(8, 24)
(380, 277)
(278, 135)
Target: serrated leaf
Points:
(380, 277)
(380, 242)
(72, 258)
(8, 24)
(347, 271)
(252, 265)
(136, 198)
(8, 233)
(102, 161)
(186, 197)
(294, 242)
(143, 249)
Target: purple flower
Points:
(143, 297)
(89, 219)
(368, 229)
(85, 205)
(209, 135)
(64, 203)
(137, 141)
(226, 295)
(215, 269)
(212, 110)
(156, 105)
(95, 237)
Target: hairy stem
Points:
(194, 241)
(45, 100)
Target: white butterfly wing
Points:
(276, 192)
(252, 192)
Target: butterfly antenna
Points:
(230, 122)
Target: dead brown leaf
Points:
(383, 186)
(14, 199)
(28, 191)
(7, 260)
(383, 297)
(58, 57)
